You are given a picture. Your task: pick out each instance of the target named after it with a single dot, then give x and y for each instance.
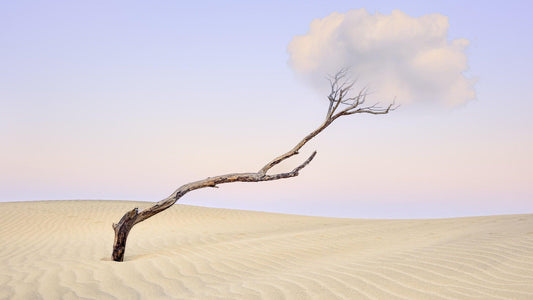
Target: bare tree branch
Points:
(340, 89)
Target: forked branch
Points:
(340, 104)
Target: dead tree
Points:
(341, 103)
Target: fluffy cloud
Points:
(397, 56)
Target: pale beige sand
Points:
(60, 250)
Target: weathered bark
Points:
(122, 229)
(340, 89)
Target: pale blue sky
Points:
(130, 99)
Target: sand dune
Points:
(61, 250)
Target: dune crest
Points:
(61, 249)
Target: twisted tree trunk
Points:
(340, 89)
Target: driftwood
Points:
(340, 104)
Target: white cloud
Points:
(397, 56)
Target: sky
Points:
(128, 100)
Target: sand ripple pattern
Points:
(61, 249)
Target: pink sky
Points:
(130, 101)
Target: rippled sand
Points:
(61, 250)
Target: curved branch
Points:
(213, 182)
